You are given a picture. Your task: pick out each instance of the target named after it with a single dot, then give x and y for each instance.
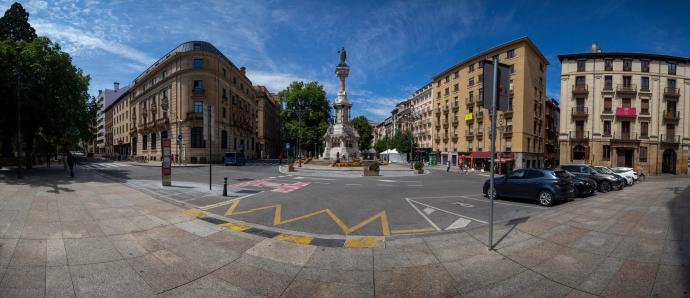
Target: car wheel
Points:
(545, 198)
(604, 186)
(489, 194)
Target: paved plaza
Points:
(92, 236)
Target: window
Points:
(512, 69)
(471, 83)
(645, 107)
(447, 79)
(438, 83)
(144, 142)
(198, 85)
(627, 81)
(608, 105)
(164, 74)
(224, 72)
(438, 94)
(511, 53)
(608, 83)
(643, 154)
(608, 64)
(606, 152)
(457, 74)
(580, 81)
(509, 144)
(472, 67)
(153, 141)
(517, 174)
(644, 83)
(197, 46)
(198, 63)
(671, 83)
(578, 152)
(223, 112)
(644, 129)
(197, 137)
(644, 65)
(533, 174)
(447, 91)
(456, 88)
(627, 102)
(627, 64)
(581, 65)
(480, 78)
(224, 139)
(198, 106)
(541, 67)
(672, 68)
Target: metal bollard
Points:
(225, 186)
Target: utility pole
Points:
(492, 190)
(19, 117)
(209, 147)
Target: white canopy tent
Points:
(392, 156)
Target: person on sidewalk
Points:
(280, 159)
(70, 163)
(448, 167)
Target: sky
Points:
(393, 47)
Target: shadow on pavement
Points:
(677, 251)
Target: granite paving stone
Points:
(281, 251)
(59, 282)
(112, 279)
(253, 279)
(29, 253)
(481, 270)
(597, 281)
(341, 259)
(207, 255)
(596, 242)
(312, 288)
(570, 266)
(163, 270)
(420, 281)
(633, 279)
(672, 281)
(56, 255)
(90, 250)
(209, 286)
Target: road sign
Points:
(503, 87)
(179, 137)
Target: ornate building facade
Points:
(198, 98)
(625, 109)
(268, 123)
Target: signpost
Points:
(496, 79)
(167, 164)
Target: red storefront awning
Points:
(484, 154)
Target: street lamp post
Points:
(300, 111)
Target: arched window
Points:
(579, 152)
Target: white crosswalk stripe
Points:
(103, 165)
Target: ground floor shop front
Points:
(648, 157)
(505, 161)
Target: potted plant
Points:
(291, 164)
(419, 167)
(372, 169)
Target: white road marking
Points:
(458, 224)
(314, 178)
(446, 211)
(423, 215)
(504, 203)
(317, 182)
(415, 185)
(228, 202)
(389, 181)
(464, 205)
(428, 210)
(383, 185)
(353, 184)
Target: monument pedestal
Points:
(341, 140)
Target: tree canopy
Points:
(365, 131)
(309, 101)
(53, 93)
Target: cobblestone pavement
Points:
(94, 237)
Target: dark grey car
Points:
(604, 182)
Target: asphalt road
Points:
(375, 206)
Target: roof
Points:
(484, 53)
(121, 96)
(189, 46)
(602, 55)
(110, 96)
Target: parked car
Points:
(233, 158)
(544, 186)
(584, 187)
(628, 173)
(604, 182)
(607, 171)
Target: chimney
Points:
(243, 70)
(116, 86)
(595, 47)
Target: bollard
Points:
(225, 186)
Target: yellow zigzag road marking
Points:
(278, 219)
(195, 212)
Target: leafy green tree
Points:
(309, 101)
(15, 24)
(53, 93)
(381, 145)
(403, 142)
(365, 131)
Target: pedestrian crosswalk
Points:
(103, 165)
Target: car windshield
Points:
(619, 171)
(602, 170)
(562, 174)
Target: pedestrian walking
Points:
(466, 169)
(448, 167)
(280, 159)
(70, 163)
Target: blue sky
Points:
(393, 47)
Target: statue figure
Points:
(343, 56)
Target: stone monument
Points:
(341, 140)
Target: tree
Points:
(15, 24)
(403, 142)
(315, 118)
(381, 145)
(53, 92)
(364, 129)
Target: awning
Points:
(484, 154)
(504, 159)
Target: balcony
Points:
(480, 134)
(198, 92)
(445, 138)
(607, 112)
(445, 124)
(195, 116)
(624, 137)
(671, 116)
(437, 140)
(455, 121)
(469, 132)
(580, 112)
(626, 88)
(507, 130)
(645, 89)
(671, 92)
(438, 126)
(644, 113)
(445, 110)
(469, 101)
(456, 106)
(455, 137)
(580, 89)
(579, 135)
(608, 88)
(626, 112)
(669, 139)
(438, 110)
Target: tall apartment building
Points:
(626, 109)
(105, 98)
(421, 104)
(118, 142)
(196, 93)
(462, 125)
(551, 131)
(268, 123)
